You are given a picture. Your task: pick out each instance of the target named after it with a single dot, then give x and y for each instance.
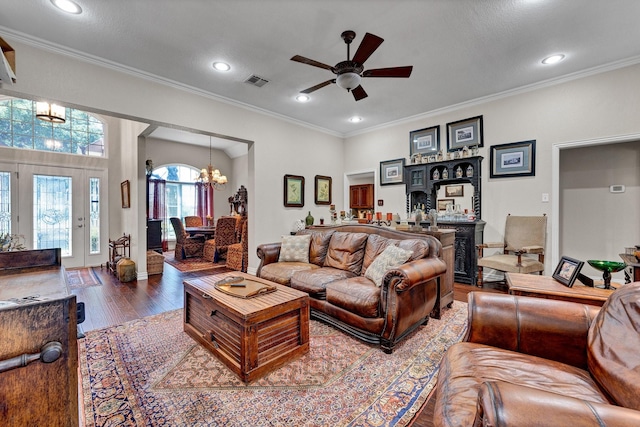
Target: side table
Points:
(533, 285)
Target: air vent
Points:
(256, 81)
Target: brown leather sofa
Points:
(529, 361)
(342, 296)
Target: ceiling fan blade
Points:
(308, 61)
(368, 45)
(389, 72)
(359, 93)
(318, 86)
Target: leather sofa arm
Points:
(504, 404)
(555, 330)
(413, 273)
(267, 253)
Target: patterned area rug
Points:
(83, 278)
(190, 264)
(148, 372)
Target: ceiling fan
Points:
(350, 72)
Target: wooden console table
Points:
(533, 285)
(38, 317)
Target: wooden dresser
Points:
(38, 349)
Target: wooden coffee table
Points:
(534, 285)
(251, 336)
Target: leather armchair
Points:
(530, 361)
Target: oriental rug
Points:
(148, 372)
(82, 278)
(191, 264)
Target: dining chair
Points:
(186, 246)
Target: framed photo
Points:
(323, 190)
(424, 141)
(391, 172)
(125, 194)
(514, 159)
(567, 271)
(454, 190)
(443, 203)
(467, 132)
(293, 191)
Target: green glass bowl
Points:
(610, 266)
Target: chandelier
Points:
(212, 176)
(50, 112)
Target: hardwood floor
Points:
(114, 303)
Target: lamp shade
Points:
(348, 81)
(50, 112)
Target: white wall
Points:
(595, 223)
(279, 147)
(597, 106)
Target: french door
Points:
(63, 207)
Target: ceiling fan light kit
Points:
(350, 72)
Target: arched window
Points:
(81, 133)
(180, 196)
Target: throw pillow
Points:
(391, 257)
(295, 248)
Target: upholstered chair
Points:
(216, 248)
(238, 253)
(186, 246)
(522, 248)
(192, 221)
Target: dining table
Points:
(207, 230)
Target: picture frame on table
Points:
(125, 194)
(322, 190)
(293, 191)
(391, 172)
(465, 133)
(443, 203)
(424, 141)
(567, 271)
(513, 159)
(454, 190)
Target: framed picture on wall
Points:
(125, 194)
(293, 191)
(464, 133)
(391, 172)
(322, 189)
(424, 141)
(513, 159)
(443, 203)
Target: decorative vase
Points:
(309, 219)
(298, 225)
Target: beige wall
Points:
(605, 105)
(595, 223)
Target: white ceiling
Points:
(461, 50)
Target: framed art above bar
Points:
(513, 159)
(464, 133)
(424, 141)
(391, 172)
(322, 190)
(293, 191)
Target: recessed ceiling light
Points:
(553, 59)
(355, 119)
(67, 6)
(221, 66)
(302, 98)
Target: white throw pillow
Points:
(295, 248)
(391, 257)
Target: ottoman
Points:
(155, 263)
